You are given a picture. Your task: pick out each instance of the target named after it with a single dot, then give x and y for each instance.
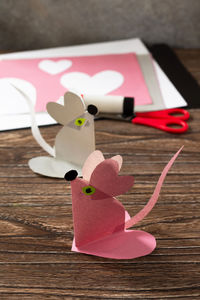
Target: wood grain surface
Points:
(36, 229)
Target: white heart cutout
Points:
(12, 102)
(54, 67)
(101, 83)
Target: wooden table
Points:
(36, 221)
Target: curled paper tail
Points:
(148, 207)
(34, 127)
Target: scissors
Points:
(163, 119)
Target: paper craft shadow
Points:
(101, 222)
(73, 143)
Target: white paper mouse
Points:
(73, 143)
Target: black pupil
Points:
(79, 121)
(88, 190)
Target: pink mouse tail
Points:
(148, 207)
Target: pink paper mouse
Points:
(101, 222)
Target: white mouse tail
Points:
(34, 127)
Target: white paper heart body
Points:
(101, 83)
(54, 67)
(11, 101)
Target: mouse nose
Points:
(92, 109)
(71, 175)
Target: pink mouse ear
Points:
(105, 178)
(93, 160)
(90, 164)
(119, 160)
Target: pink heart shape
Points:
(120, 245)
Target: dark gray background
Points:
(31, 24)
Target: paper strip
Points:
(149, 73)
(144, 212)
(34, 128)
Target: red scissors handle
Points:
(164, 119)
(178, 113)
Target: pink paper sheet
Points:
(118, 74)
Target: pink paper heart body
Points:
(120, 245)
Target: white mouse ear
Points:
(72, 108)
(74, 103)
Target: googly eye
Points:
(88, 190)
(79, 121)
